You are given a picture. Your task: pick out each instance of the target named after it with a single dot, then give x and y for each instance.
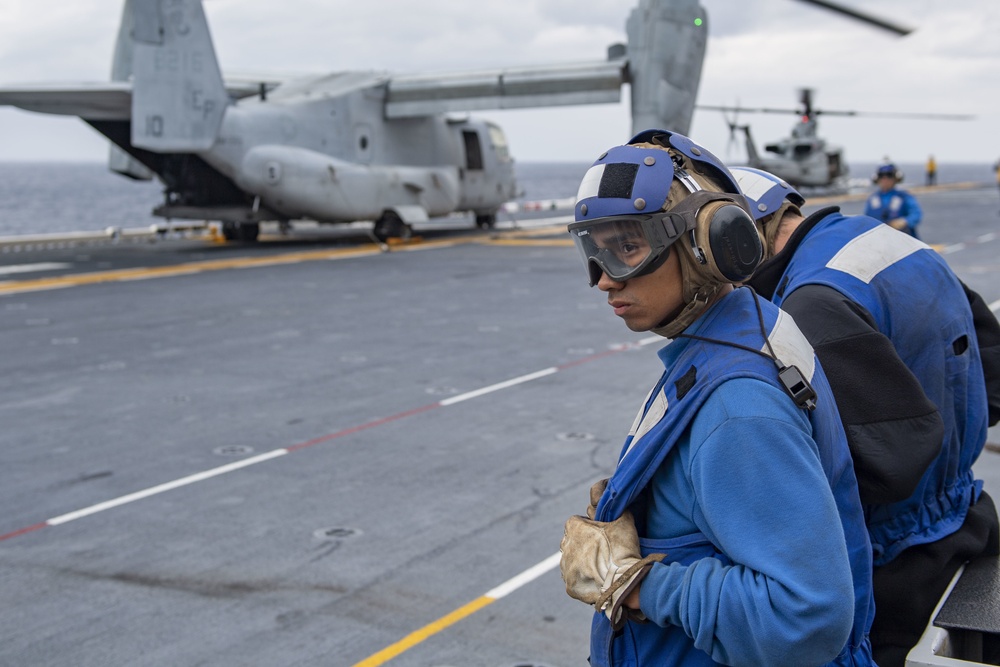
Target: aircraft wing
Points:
(94, 101)
(510, 88)
(101, 101)
(408, 95)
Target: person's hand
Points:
(601, 564)
(898, 223)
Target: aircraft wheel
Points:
(240, 231)
(248, 231)
(230, 230)
(390, 225)
(486, 220)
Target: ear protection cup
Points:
(729, 241)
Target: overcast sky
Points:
(760, 52)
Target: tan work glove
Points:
(601, 563)
(898, 223)
(596, 491)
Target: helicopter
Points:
(804, 159)
(355, 145)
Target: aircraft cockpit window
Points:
(802, 150)
(473, 151)
(499, 141)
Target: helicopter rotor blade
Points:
(864, 17)
(898, 114)
(830, 112)
(712, 107)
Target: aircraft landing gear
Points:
(240, 231)
(390, 225)
(486, 220)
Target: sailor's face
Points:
(624, 241)
(886, 182)
(645, 301)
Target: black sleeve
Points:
(893, 429)
(988, 335)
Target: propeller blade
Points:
(864, 17)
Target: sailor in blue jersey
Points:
(731, 531)
(893, 206)
(913, 358)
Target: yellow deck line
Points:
(429, 630)
(532, 242)
(490, 596)
(919, 189)
(145, 273)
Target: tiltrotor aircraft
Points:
(350, 146)
(805, 159)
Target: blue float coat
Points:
(753, 500)
(915, 300)
(895, 203)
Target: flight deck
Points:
(319, 450)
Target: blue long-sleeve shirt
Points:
(748, 476)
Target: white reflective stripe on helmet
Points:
(590, 183)
(752, 183)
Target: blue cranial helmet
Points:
(887, 169)
(764, 191)
(706, 162)
(615, 184)
(628, 214)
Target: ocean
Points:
(49, 197)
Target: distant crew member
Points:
(913, 357)
(931, 171)
(893, 206)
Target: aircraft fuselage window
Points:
(499, 141)
(473, 151)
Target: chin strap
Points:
(699, 289)
(689, 313)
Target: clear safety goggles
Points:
(623, 247)
(626, 246)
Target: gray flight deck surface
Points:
(386, 492)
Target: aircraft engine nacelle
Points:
(666, 49)
(301, 183)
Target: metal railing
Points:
(108, 236)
